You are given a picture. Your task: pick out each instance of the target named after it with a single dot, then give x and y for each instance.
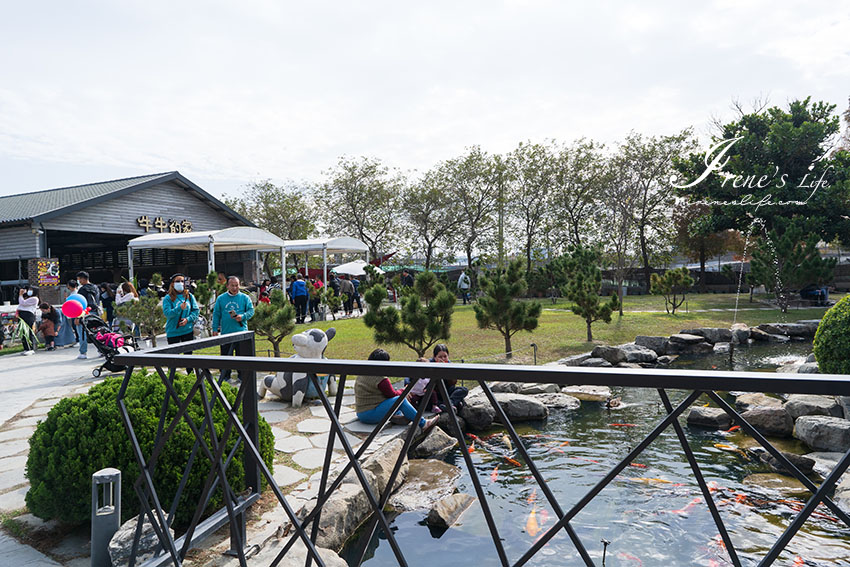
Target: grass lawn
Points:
(560, 333)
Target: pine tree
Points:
(673, 285)
(424, 317)
(146, 312)
(580, 279)
(205, 293)
(273, 320)
(499, 308)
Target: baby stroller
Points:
(107, 343)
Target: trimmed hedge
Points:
(832, 339)
(84, 434)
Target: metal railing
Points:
(697, 382)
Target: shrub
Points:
(832, 339)
(84, 434)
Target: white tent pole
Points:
(325, 262)
(130, 261)
(211, 257)
(283, 268)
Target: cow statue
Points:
(295, 386)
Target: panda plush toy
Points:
(296, 386)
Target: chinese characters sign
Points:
(171, 225)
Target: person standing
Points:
(91, 294)
(50, 325)
(107, 298)
(346, 288)
(230, 315)
(27, 304)
(126, 294)
(464, 282)
(300, 297)
(406, 278)
(181, 311)
(356, 282)
(73, 286)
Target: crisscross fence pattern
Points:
(166, 360)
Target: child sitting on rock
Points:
(418, 392)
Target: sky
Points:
(229, 93)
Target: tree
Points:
(646, 165)
(774, 165)
(273, 320)
(206, 292)
(146, 312)
(787, 261)
(697, 237)
(361, 197)
(474, 182)
(580, 279)
(579, 177)
(284, 210)
(673, 285)
(424, 319)
(531, 171)
(499, 308)
(430, 213)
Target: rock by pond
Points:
(823, 432)
(588, 393)
(785, 485)
(799, 405)
(428, 482)
(656, 344)
(558, 401)
(752, 400)
(709, 418)
(436, 444)
(712, 335)
(448, 511)
(769, 421)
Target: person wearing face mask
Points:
(181, 311)
(27, 304)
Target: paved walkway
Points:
(32, 385)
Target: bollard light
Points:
(105, 514)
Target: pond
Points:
(652, 513)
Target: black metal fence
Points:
(166, 360)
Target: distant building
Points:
(87, 227)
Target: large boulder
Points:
(809, 368)
(824, 461)
(121, 544)
(558, 401)
(722, 348)
(699, 347)
(478, 412)
(711, 334)
(787, 329)
(758, 335)
(657, 344)
(348, 506)
(521, 408)
(574, 360)
(529, 389)
(596, 363)
(436, 445)
(612, 354)
(784, 485)
(748, 401)
(709, 418)
(740, 333)
(773, 422)
(805, 465)
(448, 510)
(685, 339)
(799, 405)
(509, 387)
(666, 359)
(844, 402)
(428, 482)
(823, 432)
(774, 338)
(636, 353)
(588, 393)
(811, 325)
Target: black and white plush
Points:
(292, 386)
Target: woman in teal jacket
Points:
(181, 311)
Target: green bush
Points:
(832, 339)
(84, 434)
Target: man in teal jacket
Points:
(230, 315)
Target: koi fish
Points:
(531, 526)
(730, 449)
(713, 486)
(798, 561)
(472, 436)
(740, 498)
(687, 507)
(471, 448)
(564, 444)
(706, 405)
(556, 450)
(494, 476)
(647, 480)
(507, 441)
(532, 497)
(629, 557)
(733, 428)
(513, 462)
(544, 517)
(588, 460)
(637, 465)
(718, 541)
(622, 425)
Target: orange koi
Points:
(564, 444)
(531, 526)
(629, 557)
(799, 561)
(472, 436)
(718, 541)
(494, 476)
(647, 480)
(588, 460)
(709, 403)
(687, 507)
(532, 497)
(637, 465)
(733, 428)
(622, 425)
(471, 448)
(740, 498)
(712, 486)
(730, 449)
(513, 462)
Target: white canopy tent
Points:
(323, 246)
(355, 268)
(224, 240)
